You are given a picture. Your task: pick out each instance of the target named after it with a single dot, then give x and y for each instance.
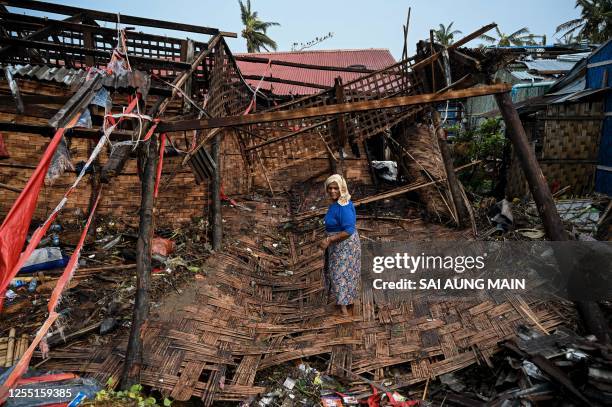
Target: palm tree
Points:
(519, 37)
(444, 35)
(594, 24)
(254, 31)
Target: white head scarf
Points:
(344, 194)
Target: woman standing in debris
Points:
(342, 245)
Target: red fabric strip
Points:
(69, 270)
(160, 164)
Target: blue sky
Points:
(355, 23)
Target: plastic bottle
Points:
(32, 285)
(18, 283)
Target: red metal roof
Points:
(369, 58)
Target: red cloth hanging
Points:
(162, 148)
(14, 229)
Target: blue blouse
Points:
(341, 218)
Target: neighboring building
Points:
(373, 59)
(530, 77)
(570, 128)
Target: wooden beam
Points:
(216, 216)
(261, 60)
(331, 110)
(112, 17)
(135, 60)
(14, 20)
(287, 81)
(49, 131)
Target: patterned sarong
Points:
(342, 274)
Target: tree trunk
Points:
(133, 358)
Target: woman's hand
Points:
(324, 243)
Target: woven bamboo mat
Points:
(261, 305)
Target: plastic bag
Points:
(164, 247)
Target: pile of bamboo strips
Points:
(12, 348)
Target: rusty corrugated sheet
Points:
(73, 78)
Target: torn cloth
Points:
(14, 229)
(21, 367)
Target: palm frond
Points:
(487, 38)
(570, 24)
(243, 12)
(520, 32)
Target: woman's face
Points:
(333, 190)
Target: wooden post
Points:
(341, 133)
(217, 220)
(537, 183)
(133, 357)
(88, 42)
(451, 177)
(187, 55)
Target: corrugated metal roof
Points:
(526, 76)
(546, 65)
(74, 77)
(368, 58)
(574, 57)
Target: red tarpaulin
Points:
(14, 229)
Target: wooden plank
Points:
(49, 131)
(330, 110)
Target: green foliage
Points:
(487, 143)
(594, 24)
(255, 30)
(133, 396)
(520, 37)
(445, 35)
